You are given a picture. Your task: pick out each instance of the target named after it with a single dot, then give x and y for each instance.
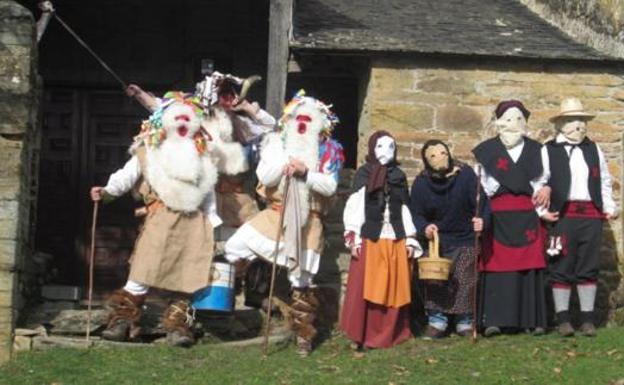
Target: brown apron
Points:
(266, 222)
(174, 250)
(235, 203)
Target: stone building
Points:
(421, 69)
(436, 70)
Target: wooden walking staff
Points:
(91, 262)
(476, 259)
(274, 269)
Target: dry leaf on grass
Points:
(612, 352)
(557, 370)
(431, 361)
(359, 355)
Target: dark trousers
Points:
(581, 239)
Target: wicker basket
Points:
(434, 267)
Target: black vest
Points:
(395, 193)
(561, 175)
(513, 177)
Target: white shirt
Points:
(354, 216)
(491, 185)
(124, 179)
(579, 190)
(270, 168)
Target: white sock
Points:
(587, 296)
(561, 297)
(136, 288)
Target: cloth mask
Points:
(574, 129)
(385, 150)
(511, 127)
(437, 157)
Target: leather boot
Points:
(177, 321)
(303, 313)
(123, 319)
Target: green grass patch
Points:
(519, 359)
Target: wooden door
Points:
(85, 137)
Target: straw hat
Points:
(572, 107)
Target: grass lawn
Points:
(518, 359)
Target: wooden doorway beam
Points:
(280, 30)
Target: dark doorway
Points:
(342, 93)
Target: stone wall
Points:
(453, 100)
(596, 23)
(18, 108)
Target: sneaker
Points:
(180, 339)
(432, 333)
(565, 329)
(588, 329)
(491, 331)
(538, 331)
(465, 333)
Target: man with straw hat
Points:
(582, 197)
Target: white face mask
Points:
(574, 129)
(385, 150)
(511, 127)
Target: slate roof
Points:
(468, 27)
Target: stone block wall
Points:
(453, 100)
(18, 109)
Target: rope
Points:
(91, 261)
(86, 46)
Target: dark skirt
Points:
(366, 323)
(515, 299)
(455, 296)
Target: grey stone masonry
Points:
(18, 148)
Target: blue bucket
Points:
(219, 294)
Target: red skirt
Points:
(366, 323)
(516, 242)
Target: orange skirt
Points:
(387, 274)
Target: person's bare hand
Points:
(355, 251)
(410, 252)
(542, 197)
(550, 216)
(612, 216)
(250, 109)
(429, 230)
(96, 193)
(297, 167)
(133, 90)
(477, 224)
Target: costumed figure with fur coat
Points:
(582, 199)
(443, 201)
(513, 263)
(236, 127)
(382, 239)
(173, 172)
(303, 159)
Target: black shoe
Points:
(118, 331)
(588, 329)
(565, 329)
(180, 339)
(432, 333)
(491, 331)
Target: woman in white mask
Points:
(513, 263)
(381, 236)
